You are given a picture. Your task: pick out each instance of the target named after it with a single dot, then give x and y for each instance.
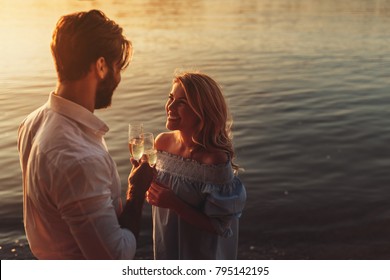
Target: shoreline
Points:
(254, 246)
(20, 250)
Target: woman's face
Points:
(180, 115)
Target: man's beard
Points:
(105, 90)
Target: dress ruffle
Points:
(213, 188)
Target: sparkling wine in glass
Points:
(136, 143)
(149, 149)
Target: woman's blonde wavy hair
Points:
(205, 98)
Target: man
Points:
(72, 205)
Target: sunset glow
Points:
(307, 85)
(25, 29)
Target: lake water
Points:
(307, 82)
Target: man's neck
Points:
(81, 92)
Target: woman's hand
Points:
(161, 196)
(164, 197)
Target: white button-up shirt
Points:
(71, 187)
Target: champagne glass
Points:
(136, 143)
(149, 149)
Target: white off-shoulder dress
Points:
(212, 189)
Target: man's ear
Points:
(101, 67)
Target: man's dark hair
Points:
(79, 39)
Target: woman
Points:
(197, 197)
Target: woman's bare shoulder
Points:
(164, 140)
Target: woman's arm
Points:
(164, 197)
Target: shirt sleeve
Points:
(223, 204)
(85, 202)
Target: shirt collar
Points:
(77, 113)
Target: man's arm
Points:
(139, 181)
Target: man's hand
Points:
(140, 178)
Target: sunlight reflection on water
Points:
(306, 82)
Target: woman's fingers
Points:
(152, 200)
(159, 195)
(154, 195)
(148, 197)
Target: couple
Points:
(71, 189)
